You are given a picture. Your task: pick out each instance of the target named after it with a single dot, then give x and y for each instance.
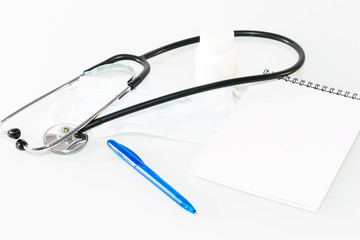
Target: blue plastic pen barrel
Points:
(135, 161)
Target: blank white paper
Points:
(283, 142)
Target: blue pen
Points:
(135, 161)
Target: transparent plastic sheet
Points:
(191, 119)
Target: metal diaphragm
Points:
(71, 144)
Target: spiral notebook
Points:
(285, 141)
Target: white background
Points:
(94, 195)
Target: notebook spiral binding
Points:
(317, 86)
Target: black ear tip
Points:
(21, 144)
(14, 133)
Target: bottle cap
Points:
(217, 38)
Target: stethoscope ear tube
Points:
(211, 86)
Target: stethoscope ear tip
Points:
(21, 144)
(14, 133)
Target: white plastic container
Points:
(216, 55)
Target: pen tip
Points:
(195, 213)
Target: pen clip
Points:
(124, 152)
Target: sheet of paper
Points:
(283, 142)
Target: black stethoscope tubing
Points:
(134, 82)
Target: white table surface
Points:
(93, 195)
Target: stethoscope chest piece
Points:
(71, 144)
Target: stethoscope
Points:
(67, 138)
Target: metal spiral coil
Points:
(317, 86)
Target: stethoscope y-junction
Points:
(66, 138)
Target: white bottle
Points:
(216, 55)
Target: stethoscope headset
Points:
(67, 138)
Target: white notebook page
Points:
(283, 142)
